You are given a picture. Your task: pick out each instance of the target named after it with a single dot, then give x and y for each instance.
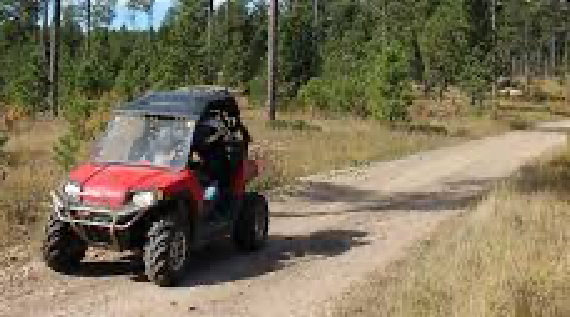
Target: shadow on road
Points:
(124, 266)
(220, 262)
(452, 195)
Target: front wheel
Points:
(165, 252)
(62, 248)
(252, 225)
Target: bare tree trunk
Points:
(88, 28)
(384, 33)
(316, 36)
(109, 22)
(553, 54)
(566, 60)
(546, 66)
(513, 66)
(54, 58)
(210, 53)
(272, 56)
(538, 62)
(526, 58)
(150, 16)
(36, 18)
(46, 45)
(566, 51)
(316, 13)
(495, 64)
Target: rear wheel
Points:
(62, 248)
(165, 252)
(252, 226)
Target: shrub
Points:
(93, 77)
(388, 90)
(339, 94)
(85, 119)
(476, 77)
(379, 88)
(257, 90)
(133, 79)
(66, 150)
(27, 89)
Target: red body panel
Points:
(108, 185)
(248, 170)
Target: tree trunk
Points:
(495, 64)
(538, 63)
(88, 28)
(210, 52)
(316, 36)
(546, 66)
(316, 14)
(566, 52)
(150, 17)
(54, 58)
(272, 56)
(566, 60)
(36, 19)
(553, 54)
(526, 59)
(46, 45)
(384, 33)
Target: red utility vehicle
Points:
(168, 176)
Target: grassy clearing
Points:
(28, 175)
(297, 145)
(509, 256)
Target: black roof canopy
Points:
(190, 102)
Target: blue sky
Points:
(160, 9)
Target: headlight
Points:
(145, 199)
(72, 189)
(72, 192)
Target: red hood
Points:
(109, 184)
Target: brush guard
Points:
(115, 221)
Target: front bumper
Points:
(99, 226)
(96, 216)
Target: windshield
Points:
(146, 140)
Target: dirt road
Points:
(323, 238)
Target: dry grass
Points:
(301, 146)
(509, 256)
(549, 88)
(29, 174)
(291, 151)
(298, 145)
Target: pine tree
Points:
(27, 88)
(444, 43)
(184, 53)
